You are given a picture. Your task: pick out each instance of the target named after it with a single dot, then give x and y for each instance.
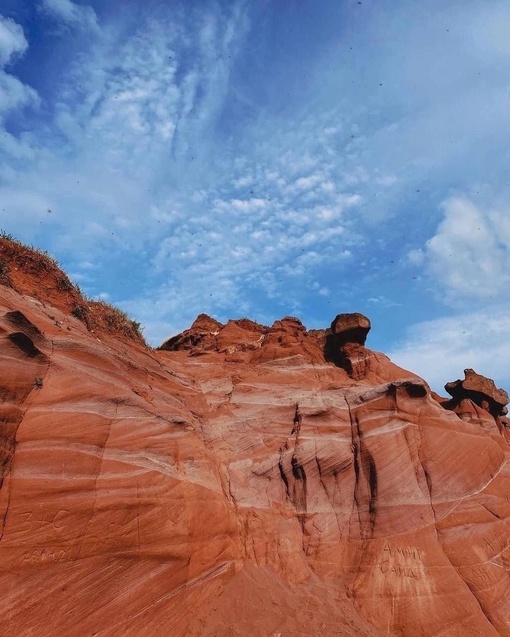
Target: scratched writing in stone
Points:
(407, 551)
(46, 554)
(31, 522)
(401, 562)
(110, 530)
(481, 576)
(399, 570)
(114, 524)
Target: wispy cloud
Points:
(131, 118)
(12, 40)
(71, 14)
(382, 301)
(14, 94)
(115, 129)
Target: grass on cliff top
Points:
(34, 272)
(15, 252)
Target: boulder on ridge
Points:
(479, 389)
(350, 328)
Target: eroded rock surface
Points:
(240, 483)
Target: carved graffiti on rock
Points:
(401, 562)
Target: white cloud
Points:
(70, 13)
(245, 206)
(243, 182)
(469, 256)
(416, 257)
(308, 182)
(382, 301)
(13, 93)
(328, 186)
(12, 40)
(441, 349)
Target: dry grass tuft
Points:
(33, 272)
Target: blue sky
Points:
(257, 158)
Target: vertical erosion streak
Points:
(365, 485)
(283, 475)
(294, 478)
(372, 482)
(355, 444)
(299, 490)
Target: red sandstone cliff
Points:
(243, 481)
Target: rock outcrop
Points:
(200, 336)
(241, 482)
(344, 345)
(480, 390)
(350, 328)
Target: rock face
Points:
(241, 483)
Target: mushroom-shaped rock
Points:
(350, 328)
(479, 383)
(345, 344)
(479, 389)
